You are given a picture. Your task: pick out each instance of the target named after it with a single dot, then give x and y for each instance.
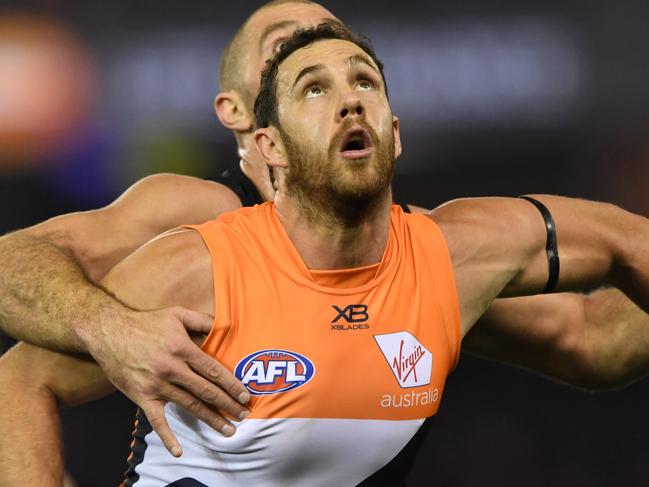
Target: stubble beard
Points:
(336, 192)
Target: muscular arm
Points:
(498, 249)
(35, 382)
(597, 341)
(49, 297)
(172, 270)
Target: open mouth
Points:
(356, 144)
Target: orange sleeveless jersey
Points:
(343, 366)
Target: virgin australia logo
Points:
(410, 362)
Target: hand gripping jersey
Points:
(343, 366)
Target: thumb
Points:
(193, 321)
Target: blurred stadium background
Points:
(495, 98)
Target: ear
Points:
(397, 136)
(232, 111)
(269, 145)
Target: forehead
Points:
(286, 16)
(331, 53)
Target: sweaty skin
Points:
(52, 269)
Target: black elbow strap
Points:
(551, 248)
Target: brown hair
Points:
(266, 102)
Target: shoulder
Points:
(179, 254)
(177, 264)
(463, 210)
(470, 222)
(178, 191)
(176, 244)
(163, 201)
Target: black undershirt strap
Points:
(404, 206)
(238, 182)
(551, 248)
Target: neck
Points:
(335, 240)
(254, 167)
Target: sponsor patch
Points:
(410, 362)
(353, 313)
(274, 371)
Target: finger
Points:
(211, 394)
(154, 412)
(213, 371)
(194, 321)
(201, 411)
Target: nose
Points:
(351, 106)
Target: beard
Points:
(327, 188)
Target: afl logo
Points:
(273, 371)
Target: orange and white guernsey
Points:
(343, 366)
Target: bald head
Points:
(254, 42)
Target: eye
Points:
(313, 91)
(365, 85)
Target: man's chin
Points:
(360, 190)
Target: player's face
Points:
(336, 122)
(268, 28)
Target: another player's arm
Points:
(596, 341)
(35, 382)
(172, 270)
(498, 249)
(49, 295)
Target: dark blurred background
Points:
(495, 98)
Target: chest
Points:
(380, 353)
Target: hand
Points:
(150, 357)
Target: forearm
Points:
(599, 244)
(544, 333)
(631, 270)
(597, 342)
(30, 436)
(35, 382)
(617, 338)
(47, 299)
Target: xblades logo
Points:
(354, 313)
(355, 317)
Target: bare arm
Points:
(47, 298)
(49, 270)
(35, 382)
(172, 270)
(498, 249)
(545, 333)
(597, 341)
(176, 269)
